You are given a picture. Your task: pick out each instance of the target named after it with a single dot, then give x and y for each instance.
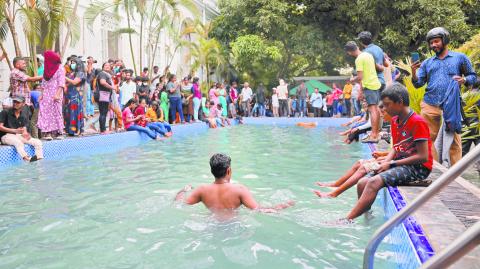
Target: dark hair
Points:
(351, 46)
(129, 102)
(397, 93)
(145, 69)
(16, 59)
(103, 65)
(365, 38)
(156, 66)
(171, 77)
(212, 103)
(219, 163)
(195, 79)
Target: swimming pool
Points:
(115, 210)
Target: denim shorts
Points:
(372, 97)
(403, 174)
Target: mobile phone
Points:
(415, 57)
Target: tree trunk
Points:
(69, 29)
(130, 40)
(4, 51)
(11, 24)
(155, 45)
(141, 42)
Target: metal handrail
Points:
(454, 172)
(457, 249)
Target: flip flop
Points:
(34, 158)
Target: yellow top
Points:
(347, 91)
(152, 115)
(366, 64)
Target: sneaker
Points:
(48, 138)
(34, 158)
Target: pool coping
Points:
(417, 235)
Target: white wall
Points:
(94, 43)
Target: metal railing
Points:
(452, 173)
(457, 249)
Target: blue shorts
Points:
(372, 97)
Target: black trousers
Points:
(103, 109)
(283, 108)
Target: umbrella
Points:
(311, 85)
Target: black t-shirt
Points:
(9, 120)
(107, 77)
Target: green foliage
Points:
(415, 94)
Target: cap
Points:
(18, 98)
(365, 37)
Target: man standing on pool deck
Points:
(222, 196)
(438, 71)
(410, 158)
(367, 74)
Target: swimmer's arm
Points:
(181, 194)
(249, 202)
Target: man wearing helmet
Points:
(438, 71)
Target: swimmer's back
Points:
(225, 196)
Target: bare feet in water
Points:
(324, 195)
(326, 184)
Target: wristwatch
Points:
(393, 164)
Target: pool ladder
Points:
(459, 247)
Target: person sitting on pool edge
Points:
(410, 158)
(13, 130)
(221, 196)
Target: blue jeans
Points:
(157, 127)
(261, 109)
(302, 106)
(356, 106)
(335, 107)
(144, 130)
(176, 106)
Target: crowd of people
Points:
(412, 136)
(64, 100)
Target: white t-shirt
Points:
(246, 94)
(275, 100)
(153, 85)
(355, 90)
(282, 92)
(127, 90)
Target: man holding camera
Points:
(438, 71)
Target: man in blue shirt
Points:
(366, 40)
(438, 71)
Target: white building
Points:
(103, 44)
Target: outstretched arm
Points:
(249, 202)
(181, 194)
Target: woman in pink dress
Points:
(50, 118)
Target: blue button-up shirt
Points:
(438, 73)
(378, 55)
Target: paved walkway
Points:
(448, 214)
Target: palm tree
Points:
(8, 9)
(207, 52)
(156, 15)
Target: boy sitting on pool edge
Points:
(221, 196)
(411, 156)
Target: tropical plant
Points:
(415, 94)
